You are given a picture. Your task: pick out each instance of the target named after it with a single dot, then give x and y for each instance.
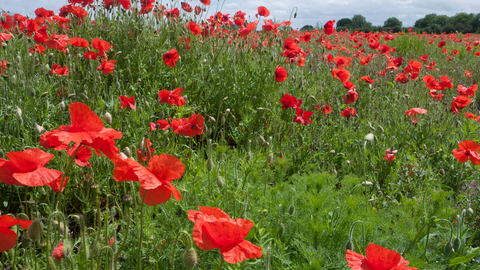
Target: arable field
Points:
(142, 136)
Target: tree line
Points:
(431, 23)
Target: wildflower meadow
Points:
(142, 135)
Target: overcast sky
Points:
(309, 12)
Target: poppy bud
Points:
(3, 19)
(44, 94)
(175, 80)
(220, 181)
(211, 118)
(222, 120)
(470, 211)
(262, 139)
(210, 165)
(118, 86)
(146, 104)
(369, 137)
(19, 59)
(295, 15)
(127, 199)
(35, 229)
(108, 118)
(332, 151)
(270, 158)
(122, 155)
(249, 156)
(448, 249)
(291, 209)
(67, 248)
(457, 244)
(349, 245)
(18, 111)
(367, 183)
(127, 152)
(72, 95)
(441, 171)
(60, 225)
(190, 258)
(62, 106)
(95, 189)
(281, 230)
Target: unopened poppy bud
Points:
(44, 94)
(441, 171)
(62, 106)
(332, 151)
(369, 137)
(295, 15)
(291, 209)
(39, 128)
(108, 118)
(262, 139)
(270, 158)
(142, 144)
(349, 245)
(95, 188)
(127, 199)
(222, 120)
(227, 111)
(448, 249)
(470, 211)
(281, 230)
(176, 81)
(147, 104)
(60, 226)
(127, 152)
(35, 229)
(19, 59)
(72, 95)
(211, 118)
(457, 244)
(370, 86)
(220, 181)
(122, 155)
(367, 183)
(3, 19)
(190, 258)
(210, 165)
(67, 248)
(18, 111)
(118, 86)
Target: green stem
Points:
(67, 171)
(129, 218)
(139, 265)
(221, 264)
(175, 246)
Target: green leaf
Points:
(391, 84)
(464, 259)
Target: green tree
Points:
(426, 21)
(392, 22)
(359, 21)
(307, 28)
(344, 22)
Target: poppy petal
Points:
(166, 167)
(8, 239)
(239, 253)
(40, 177)
(155, 196)
(357, 261)
(381, 258)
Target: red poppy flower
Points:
(289, 102)
(57, 252)
(190, 127)
(378, 258)
(8, 238)
(302, 117)
(390, 155)
(107, 67)
(431, 65)
(170, 57)
(6, 21)
(262, 11)
(341, 74)
(172, 13)
(3, 66)
(424, 58)
(37, 48)
(325, 108)
(161, 124)
(441, 44)
(42, 13)
(328, 27)
(205, 2)
(365, 60)
(186, 7)
(86, 128)
(101, 45)
(155, 186)
(367, 79)
(415, 111)
(82, 155)
(468, 73)
(449, 58)
(350, 97)
(79, 42)
(349, 85)
(348, 112)
(468, 150)
(127, 102)
(470, 91)
(59, 70)
(435, 95)
(90, 55)
(401, 77)
(215, 229)
(172, 97)
(445, 83)
(198, 10)
(27, 168)
(194, 28)
(459, 103)
(280, 74)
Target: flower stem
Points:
(221, 264)
(139, 265)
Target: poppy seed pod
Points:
(108, 118)
(62, 106)
(35, 229)
(220, 181)
(210, 165)
(95, 188)
(281, 230)
(127, 199)
(222, 120)
(270, 158)
(190, 258)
